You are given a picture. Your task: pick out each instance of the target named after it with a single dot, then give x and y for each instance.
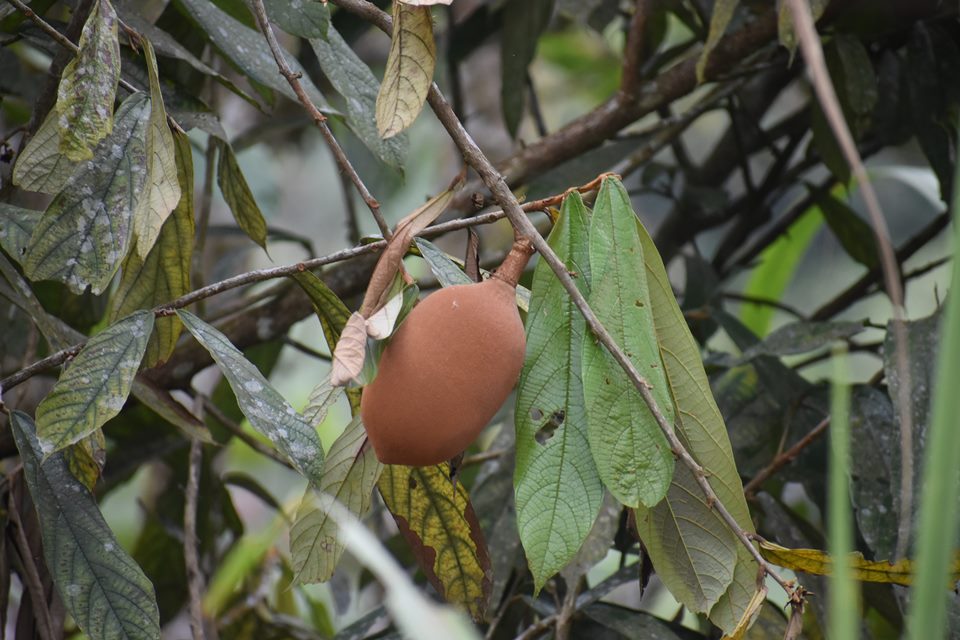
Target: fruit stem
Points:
(515, 262)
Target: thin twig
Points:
(813, 55)
(293, 78)
(190, 555)
(784, 458)
(763, 302)
(537, 628)
(634, 48)
(31, 576)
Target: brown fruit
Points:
(447, 370)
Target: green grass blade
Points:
(937, 531)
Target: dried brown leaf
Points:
(350, 352)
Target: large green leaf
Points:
(352, 78)
(631, 453)
(695, 554)
(165, 272)
(85, 232)
(88, 86)
(331, 311)
(263, 406)
(239, 197)
(523, 22)
(248, 49)
(304, 18)
(101, 586)
(41, 166)
(409, 72)
(558, 489)
(437, 520)
(163, 186)
(95, 386)
(16, 227)
(350, 473)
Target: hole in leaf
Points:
(412, 483)
(536, 415)
(546, 432)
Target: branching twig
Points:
(245, 437)
(319, 119)
(524, 228)
(784, 458)
(813, 55)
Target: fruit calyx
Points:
(513, 265)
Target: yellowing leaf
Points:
(88, 86)
(749, 615)
(723, 11)
(42, 167)
(350, 472)
(163, 187)
(164, 274)
(409, 71)
(437, 520)
(821, 564)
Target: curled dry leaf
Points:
(350, 352)
(380, 324)
(389, 262)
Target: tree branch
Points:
(525, 229)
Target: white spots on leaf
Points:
(252, 386)
(73, 590)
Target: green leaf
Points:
(323, 396)
(85, 232)
(352, 78)
(788, 37)
(248, 49)
(350, 474)
(523, 23)
(331, 311)
(304, 18)
(558, 489)
(164, 274)
(95, 386)
(409, 72)
(41, 166)
(263, 406)
(163, 186)
(800, 337)
(166, 45)
(695, 553)
(631, 453)
(723, 11)
(855, 235)
(437, 520)
(852, 73)
(88, 86)
(102, 587)
(778, 263)
(449, 271)
(16, 227)
(238, 196)
(825, 143)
